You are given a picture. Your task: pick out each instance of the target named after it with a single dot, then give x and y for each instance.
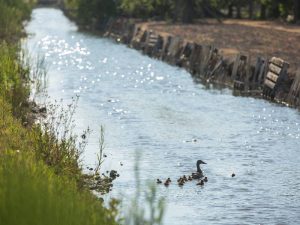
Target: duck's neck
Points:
(198, 168)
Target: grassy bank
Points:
(41, 180)
(31, 193)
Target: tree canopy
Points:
(187, 10)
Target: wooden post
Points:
(256, 79)
(276, 79)
(165, 48)
(248, 73)
(194, 59)
(294, 94)
(205, 56)
(235, 67)
(157, 49)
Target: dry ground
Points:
(259, 38)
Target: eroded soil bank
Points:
(265, 38)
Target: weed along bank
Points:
(41, 177)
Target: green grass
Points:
(34, 190)
(31, 193)
(41, 180)
(13, 78)
(12, 14)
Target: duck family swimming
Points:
(198, 175)
(182, 180)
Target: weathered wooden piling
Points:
(194, 62)
(166, 44)
(156, 46)
(269, 77)
(259, 73)
(185, 54)
(276, 78)
(294, 94)
(239, 73)
(205, 57)
(173, 50)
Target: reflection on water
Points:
(157, 109)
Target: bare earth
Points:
(259, 38)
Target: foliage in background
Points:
(97, 11)
(94, 13)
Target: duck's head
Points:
(200, 162)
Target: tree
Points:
(188, 12)
(263, 9)
(184, 11)
(95, 11)
(296, 9)
(274, 9)
(251, 8)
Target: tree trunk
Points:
(230, 11)
(188, 12)
(296, 10)
(176, 12)
(275, 13)
(238, 10)
(251, 7)
(263, 11)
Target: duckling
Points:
(205, 179)
(233, 174)
(181, 183)
(167, 183)
(180, 180)
(201, 183)
(190, 178)
(184, 178)
(158, 181)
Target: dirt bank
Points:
(259, 38)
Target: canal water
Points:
(155, 109)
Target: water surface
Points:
(157, 110)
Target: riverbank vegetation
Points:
(12, 14)
(41, 179)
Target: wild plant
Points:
(57, 144)
(147, 209)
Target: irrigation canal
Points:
(157, 110)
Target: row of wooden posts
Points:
(268, 78)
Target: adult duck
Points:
(199, 173)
